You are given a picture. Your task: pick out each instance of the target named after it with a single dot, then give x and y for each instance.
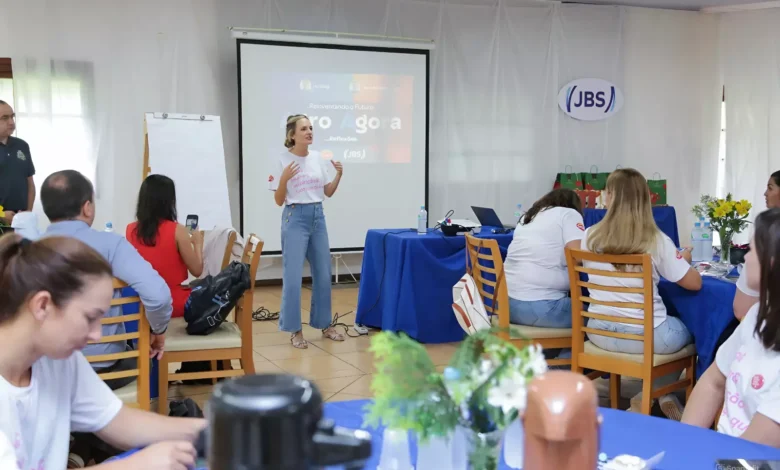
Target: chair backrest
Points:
(229, 249)
(244, 308)
(141, 337)
(486, 267)
(574, 258)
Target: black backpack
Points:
(213, 297)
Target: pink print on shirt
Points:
(735, 399)
(735, 377)
(306, 183)
(757, 382)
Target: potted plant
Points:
(727, 216)
(483, 390)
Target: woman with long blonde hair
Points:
(300, 184)
(629, 228)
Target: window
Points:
(720, 190)
(6, 81)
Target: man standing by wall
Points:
(17, 189)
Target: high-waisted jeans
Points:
(305, 237)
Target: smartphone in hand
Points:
(192, 222)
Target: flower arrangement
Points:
(727, 216)
(482, 390)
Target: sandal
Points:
(298, 341)
(332, 334)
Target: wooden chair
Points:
(233, 340)
(496, 298)
(646, 366)
(137, 393)
(229, 249)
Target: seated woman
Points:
(163, 242)
(629, 228)
(745, 296)
(53, 294)
(745, 378)
(535, 266)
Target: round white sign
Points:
(590, 99)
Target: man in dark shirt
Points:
(17, 189)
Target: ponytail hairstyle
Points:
(292, 122)
(555, 198)
(767, 246)
(61, 266)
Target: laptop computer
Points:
(488, 217)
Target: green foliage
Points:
(409, 392)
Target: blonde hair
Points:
(292, 122)
(628, 227)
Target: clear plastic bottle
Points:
(706, 242)
(696, 242)
(109, 227)
(422, 221)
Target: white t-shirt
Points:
(667, 262)
(308, 186)
(752, 378)
(535, 265)
(64, 396)
(7, 454)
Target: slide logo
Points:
(590, 99)
(306, 85)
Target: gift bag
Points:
(593, 180)
(468, 306)
(589, 199)
(568, 179)
(657, 190)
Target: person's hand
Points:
(290, 171)
(157, 346)
(173, 455)
(197, 238)
(338, 166)
(686, 254)
(8, 216)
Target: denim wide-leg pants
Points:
(305, 237)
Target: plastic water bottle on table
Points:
(109, 227)
(422, 221)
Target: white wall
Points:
(497, 136)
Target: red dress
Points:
(165, 259)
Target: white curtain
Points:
(497, 135)
(750, 58)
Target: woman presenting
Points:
(300, 184)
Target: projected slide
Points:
(362, 117)
(368, 108)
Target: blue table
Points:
(406, 282)
(622, 432)
(706, 313)
(665, 217)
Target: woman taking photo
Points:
(745, 296)
(300, 184)
(53, 294)
(535, 266)
(744, 380)
(629, 228)
(162, 241)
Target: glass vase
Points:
(484, 449)
(725, 246)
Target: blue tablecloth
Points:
(406, 282)
(665, 217)
(622, 432)
(706, 313)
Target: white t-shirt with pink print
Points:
(752, 378)
(64, 396)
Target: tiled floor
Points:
(341, 370)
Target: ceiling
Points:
(693, 5)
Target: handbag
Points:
(568, 179)
(468, 306)
(593, 180)
(214, 297)
(657, 188)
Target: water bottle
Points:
(109, 227)
(706, 242)
(697, 235)
(422, 221)
(519, 213)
